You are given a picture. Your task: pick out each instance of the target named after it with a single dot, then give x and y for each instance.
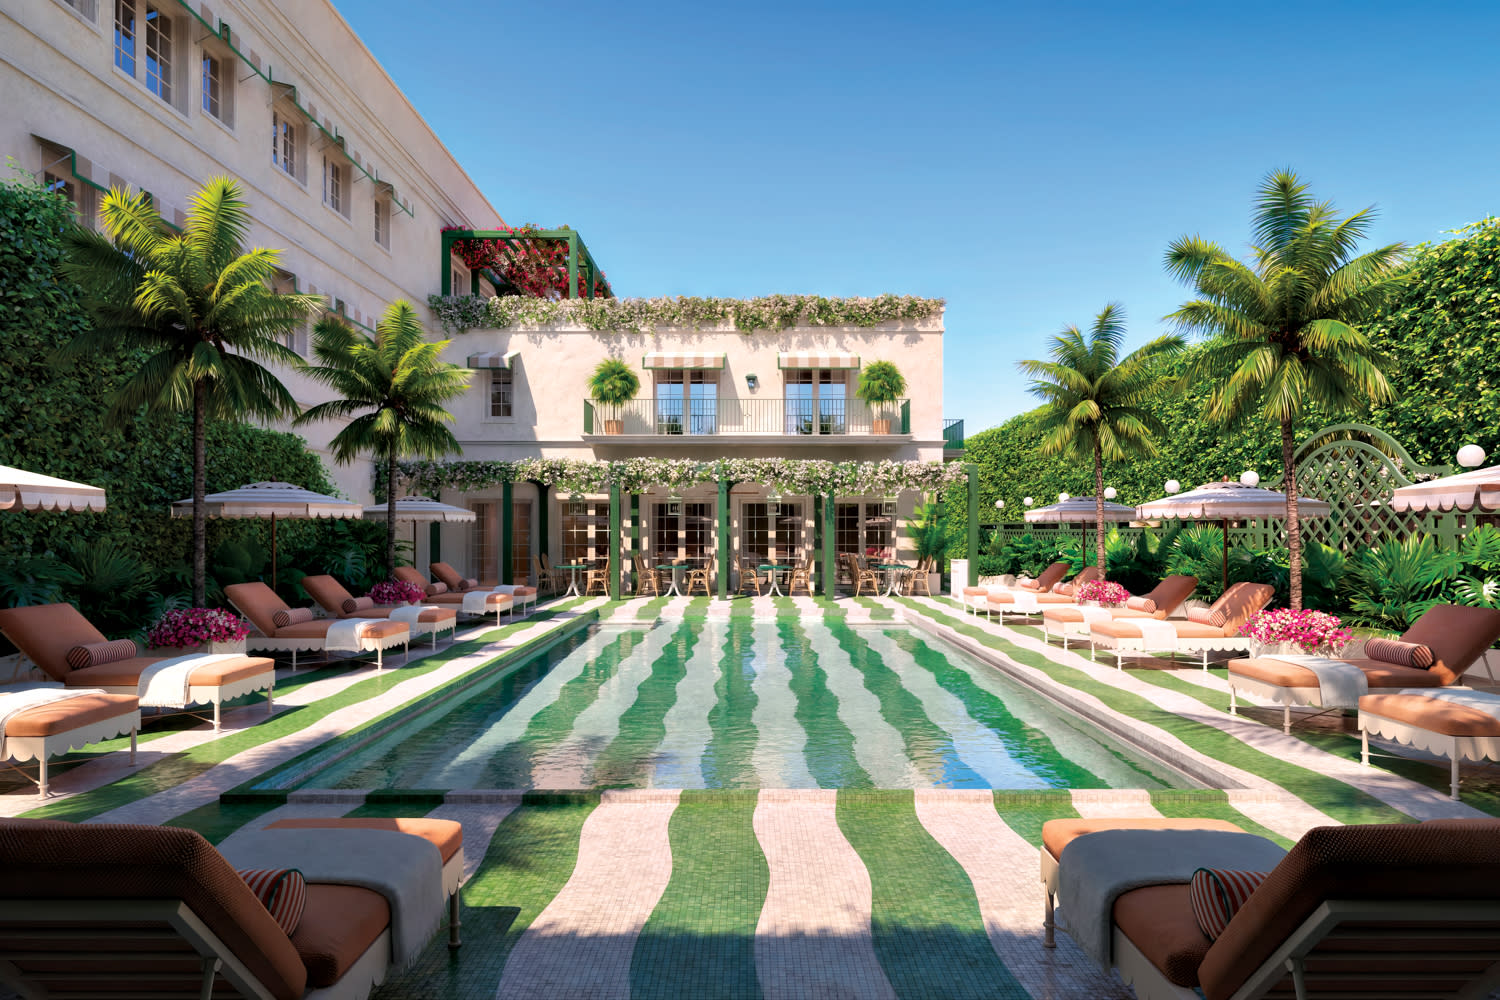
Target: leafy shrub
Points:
(1392, 584)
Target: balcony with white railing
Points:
(668, 420)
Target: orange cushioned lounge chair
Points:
(112, 910)
(1379, 910)
(1435, 652)
(279, 626)
(57, 638)
(1032, 602)
(1164, 599)
(80, 716)
(1215, 628)
(975, 597)
(474, 602)
(337, 601)
(520, 594)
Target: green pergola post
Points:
(830, 581)
(635, 536)
(972, 550)
(723, 584)
(572, 265)
(614, 540)
(543, 542)
(507, 532)
(434, 543)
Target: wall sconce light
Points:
(752, 382)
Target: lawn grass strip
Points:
(157, 791)
(700, 938)
(1008, 894)
(1229, 740)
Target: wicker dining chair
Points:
(557, 577)
(647, 580)
(698, 576)
(862, 577)
(749, 579)
(598, 578)
(915, 582)
(801, 577)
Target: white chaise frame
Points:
(41, 748)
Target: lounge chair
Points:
(1455, 723)
(1034, 602)
(338, 602)
(279, 627)
(1212, 629)
(41, 719)
(111, 910)
(1369, 911)
(1164, 599)
(976, 597)
(1448, 640)
(520, 594)
(57, 638)
(476, 602)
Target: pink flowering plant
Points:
(186, 627)
(395, 592)
(1310, 631)
(1105, 592)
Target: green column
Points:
(507, 531)
(635, 535)
(434, 543)
(614, 540)
(830, 581)
(972, 551)
(544, 537)
(724, 557)
(817, 538)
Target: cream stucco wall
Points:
(58, 82)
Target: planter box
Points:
(880, 426)
(1285, 649)
(614, 426)
(206, 648)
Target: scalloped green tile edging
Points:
(1211, 805)
(1026, 812)
(1341, 801)
(187, 764)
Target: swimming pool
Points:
(791, 703)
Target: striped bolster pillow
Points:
(1404, 654)
(1208, 616)
(437, 588)
(1065, 589)
(282, 891)
(291, 616)
(1145, 604)
(469, 583)
(93, 654)
(1217, 895)
(354, 604)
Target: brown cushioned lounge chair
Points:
(1456, 637)
(259, 603)
(113, 910)
(337, 601)
(1165, 598)
(53, 728)
(1378, 910)
(47, 633)
(1031, 602)
(521, 594)
(438, 593)
(1237, 605)
(1049, 578)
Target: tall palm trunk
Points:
(1293, 522)
(200, 478)
(390, 516)
(1098, 508)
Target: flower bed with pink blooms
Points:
(194, 627)
(1105, 593)
(395, 592)
(1309, 631)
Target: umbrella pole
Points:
(1224, 581)
(273, 551)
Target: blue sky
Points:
(1027, 162)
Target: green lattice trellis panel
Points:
(1356, 468)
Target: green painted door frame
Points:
(971, 551)
(507, 531)
(614, 541)
(544, 544)
(830, 581)
(724, 558)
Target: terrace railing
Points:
(953, 435)
(783, 417)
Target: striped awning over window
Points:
(493, 359)
(817, 359)
(679, 359)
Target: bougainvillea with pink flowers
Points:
(1106, 593)
(395, 592)
(195, 626)
(1311, 631)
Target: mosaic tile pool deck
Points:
(654, 892)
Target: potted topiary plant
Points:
(880, 385)
(612, 385)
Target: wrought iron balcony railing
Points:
(953, 435)
(787, 417)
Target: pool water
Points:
(746, 704)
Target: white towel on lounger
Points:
(411, 613)
(347, 634)
(165, 684)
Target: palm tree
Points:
(1286, 325)
(198, 306)
(1097, 405)
(393, 388)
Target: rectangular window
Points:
(84, 7)
(213, 86)
(483, 536)
(755, 536)
(383, 222)
(698, 524)
(878, 532)
(502, 388)
(831, 401)
(799, 401)
(333, 185)
(125, 35)
(585, 531)
(669, 384)
(283, 143)
(666, 532)
(159, 54)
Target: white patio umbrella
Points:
(22, 490)
(272, 500)
(1225, 502)
(1079, 509)
(1479, 489)
(421, 510)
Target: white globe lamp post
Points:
(1110, 493)
(1172, 486)
(1471, 456)
(1028, 501)
(1250, 478)
(1062, 498)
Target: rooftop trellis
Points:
(579, 262)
